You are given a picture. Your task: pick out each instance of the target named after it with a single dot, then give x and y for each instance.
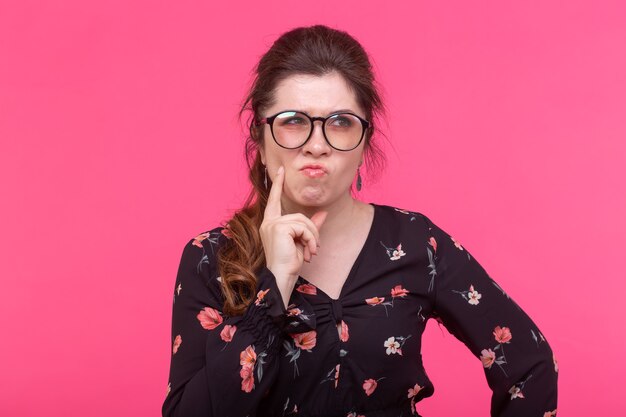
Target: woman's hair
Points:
(315, 50)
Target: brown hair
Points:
(315, 50)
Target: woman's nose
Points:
(317, 142)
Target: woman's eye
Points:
(293, 121)
(341, 121)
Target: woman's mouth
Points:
(313, 172)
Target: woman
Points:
(310, 302)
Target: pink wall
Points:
(119, 141)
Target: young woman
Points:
(310, 302)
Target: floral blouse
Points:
(358, 355)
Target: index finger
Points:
(273, 208)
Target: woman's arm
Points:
(220, 366)
(518, 362)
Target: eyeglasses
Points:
(292, 129)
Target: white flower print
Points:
(516, 392)
(473, 296)
(392, 345)
(179, 288)
(394, 253)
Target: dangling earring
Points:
(265, 181)
(358, 179)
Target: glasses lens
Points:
(291, 129)
(344, 130)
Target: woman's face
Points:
(315, 96)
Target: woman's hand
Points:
(288, 240)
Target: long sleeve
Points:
(518, 362)
(220, 365)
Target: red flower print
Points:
(398, 291)
(228, 332)
(247, 357)
(432, 242)
(247, 378)
(307, 289)
(305, 340)
(369, 386)
(502, 334)
(200, 238)
(294, 312)
(226, 231)
(177, 342)
(413, 391)
(487, 357)
(336, 375)
(550, 413)
(374, 301)
(344, 332)
(260, 296)
(209, 318)
(456, 243)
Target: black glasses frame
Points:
(270, 121)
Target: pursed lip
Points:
(314, 166)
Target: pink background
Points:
(119, 142)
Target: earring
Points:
(265, 181)
(358, 179)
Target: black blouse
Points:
(359, 355)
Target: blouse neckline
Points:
(357, 261)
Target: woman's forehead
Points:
(315, 94)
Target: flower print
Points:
(550, 413)
(247, 357)
(556, 364)
(247, 379)
(260, 297)
(502, 334)
(401, 210)
(209, 318)
(179, 288)
(226, 231)
(200, 238)
(307, 289)
(354, 414)
(392, 346)
(433, 242)
(473, 296)
(456, 243)
(337, 375)
(487, 357)
(516, 392)
(394, 254)
(293, 312)
(398, 291)
(169, 389)
(305, 341)
(369, 385)
(344, 335)
(414, 391)
(247, 360)
(177, 342)
(374, 300)
(228, 332)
